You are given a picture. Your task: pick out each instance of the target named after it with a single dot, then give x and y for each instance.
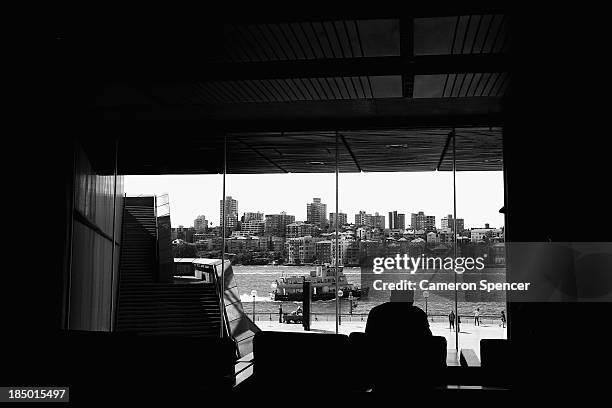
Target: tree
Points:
(184, 251)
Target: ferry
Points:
(323, 283)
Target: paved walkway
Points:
(469, 337)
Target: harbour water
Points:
(260, 277)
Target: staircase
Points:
(149, 307)
(138, 252)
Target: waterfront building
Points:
(323, 251)
(299, 229)
(253, 227)
(397, 221)
(432, 238)
(316, 213)
(361, 233)
(240, 244)
(300, 250)
(342, 220)
(252, 216)
(363, 219)
(481, 234)
(276, 224)
(378, 221)
(420, 221)
(449, 222)
(231, 213)
(200, 224)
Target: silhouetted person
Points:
(451, 320)
(398, 318)
(503, 318)
(477, 317)
(280, 313)
(400, 334)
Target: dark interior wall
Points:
(38, 190)
(37, 168)
(556, 166)
(39, 177)
(94, 265)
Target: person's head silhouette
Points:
(402, 295)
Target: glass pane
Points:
(480, 197)
(396, 201)
(282, 189)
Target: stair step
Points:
(169, 329)
(152, 302)
(171, 321)
(150, 307)
(185, 323)
(170, 313)
(173, 311)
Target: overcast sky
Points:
(480, 195)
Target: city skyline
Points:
(479, 194)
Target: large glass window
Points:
(479, 197)
(281, 197)
(281, 216)
(397, 194)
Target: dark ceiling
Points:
(278, 90)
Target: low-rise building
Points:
(299, 229)
(253, 227)
(300, 250)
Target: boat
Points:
(323, 284)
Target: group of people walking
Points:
(452, 319)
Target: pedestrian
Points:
(503, 319)
(280, 313)
(451, 320)
(477, 317)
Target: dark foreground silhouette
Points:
(404, 352)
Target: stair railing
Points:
(116, 284)
(225, 330)
(162, 209)
(156, 239)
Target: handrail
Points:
(117, 284)
(156, 239)
(221, 292)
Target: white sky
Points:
(480, 195)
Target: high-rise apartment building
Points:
(397, 221)
(253, 227)
(316, 213)
(231, 213)
(363, 220)
(276, 224)
(342, 219)
(371, 221)
(378, 221)
(449, 222)
(200, 224)
(420, 221)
